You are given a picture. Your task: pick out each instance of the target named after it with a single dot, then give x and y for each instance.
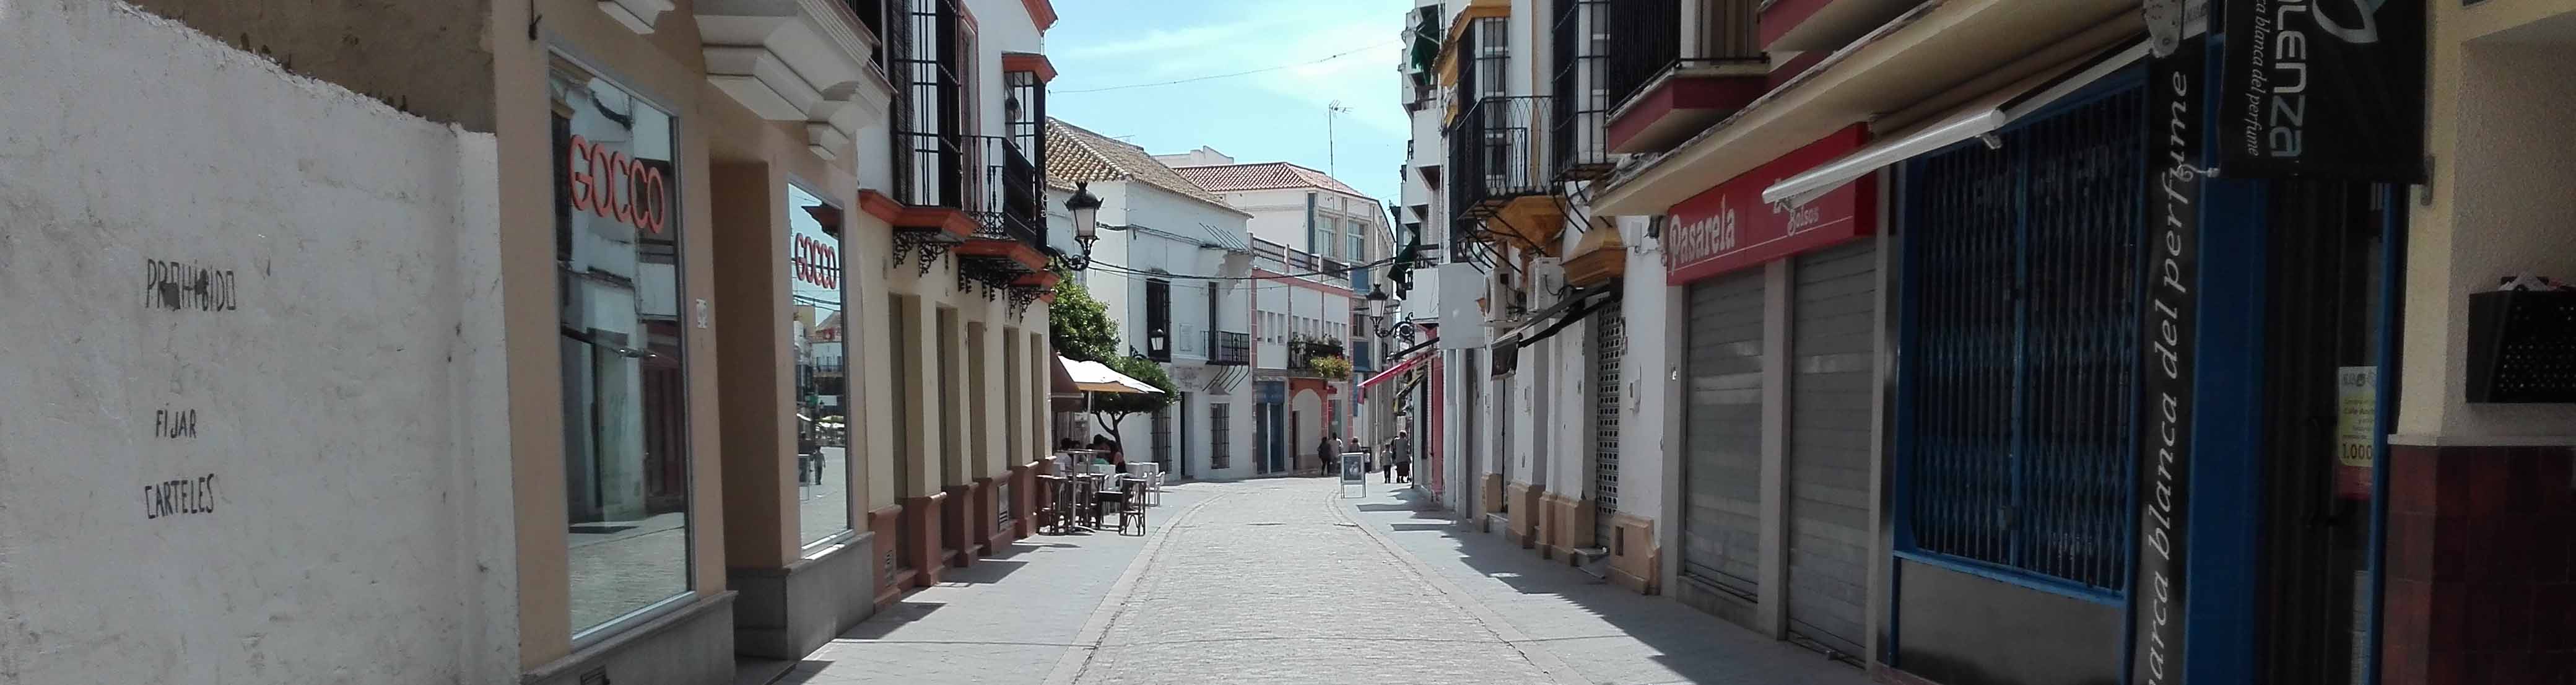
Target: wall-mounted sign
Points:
(607, 183)
(2175, 91)
(2331, 88)
(1728, 227)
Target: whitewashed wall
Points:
(331, 503)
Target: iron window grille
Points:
(1581, 37)
(1220, 436)
(2021, 315)
(1649, 36)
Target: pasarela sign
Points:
(1729, 227)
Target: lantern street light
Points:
(1383, 308)
(1086, 223)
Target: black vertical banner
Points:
(2176, 93)
(2327, 88)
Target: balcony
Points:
(1500, 187)
(1581, 36)
(1303, 351)
(981, 191)
(1662, 95)
(1231, 348)
(1494, 154)
(797, 60)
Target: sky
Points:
(1272, 116)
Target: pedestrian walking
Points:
(1399, 457)
(1324, 452)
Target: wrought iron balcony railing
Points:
(1494, 154)
(1303, 351)
(1647, 42)
(1231, 348)
(987, 177)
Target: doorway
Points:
(2321, 428)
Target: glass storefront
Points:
(618, 257)
(820, 395)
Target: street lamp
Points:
(1086, 223)
(1383, 308)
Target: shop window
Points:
(2019, 389)
(625, 400)
(815, 293)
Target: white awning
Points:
(1978, 117)
(1098, 377)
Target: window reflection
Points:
(617, 249)
(814, 287)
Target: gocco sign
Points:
(1728, 227)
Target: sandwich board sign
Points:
(1354, 472)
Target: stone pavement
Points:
(1005, 619)
(1606, 633)
(1282, 581)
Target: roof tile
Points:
(1263, 176)
(1077, 154)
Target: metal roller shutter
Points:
(1610, 343)
(1722, 433)
(1832, 343)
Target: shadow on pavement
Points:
(985, 570)
(891, 618)
(1695, 646)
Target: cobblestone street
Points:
(1283, 581)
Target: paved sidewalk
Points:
(1279, 585)
(1282, 581)
(1003, 620)
(1608, 634)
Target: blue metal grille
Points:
(2023, 312)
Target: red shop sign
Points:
(816, 262)
(1728, 227)
(608, 183)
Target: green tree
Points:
(1112, 409)
(1078, 325)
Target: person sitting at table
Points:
(1117, 458)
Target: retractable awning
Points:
(1393, 371)
(1563, 314)
(1984, 115)
(1098, 377)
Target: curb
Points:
(1086, 643)
(1538, 655)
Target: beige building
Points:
(632, 337)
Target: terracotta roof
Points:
(1263, 176)
(1077, 154)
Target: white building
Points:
(1174, 268)
(1318, 244)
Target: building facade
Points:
(1174, 269)
(1311, 235)
(1954, 331)
(718, 329)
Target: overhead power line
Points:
(1194, 79)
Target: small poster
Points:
(1354, 472)
(2356, 412)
